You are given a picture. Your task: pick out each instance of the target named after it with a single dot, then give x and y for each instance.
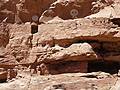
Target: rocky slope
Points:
(67, 41)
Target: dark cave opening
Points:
(84, 67)
(3, 80)
(34, 28)
(116, 21)
(67, 67)
(104, 66)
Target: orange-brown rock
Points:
(63, 38)
(31, 10)
(4, 35)
(75, 52)
(20, 41)
(67, 9)
(84, 52)
(3, 76)
(7, 10)
(64, 33)
(21, 11)
(53, 37)
(110, 11)
(4, 40)
(76, 40)
(69, 81)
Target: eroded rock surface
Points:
(21, 11)
(78, 40)
(53, 37)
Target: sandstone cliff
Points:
(69, 41)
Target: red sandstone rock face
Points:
(4, 40)
(4, 35)
(67, 9)
(6, 60)
(22, 10)
(28, 10)
(20, 41)
(57, 46)
(111, 11)
(77, 40)
(8, 10)
(65, 41)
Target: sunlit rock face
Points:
(59, 44)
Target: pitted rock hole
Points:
(34, 28)
(108, 67)
(116, 21)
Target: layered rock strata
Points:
(69, 42)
